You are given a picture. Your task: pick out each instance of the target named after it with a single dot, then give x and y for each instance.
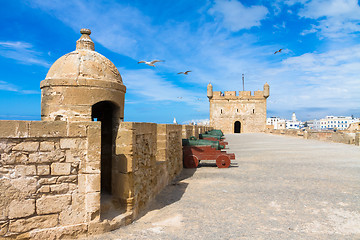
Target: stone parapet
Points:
(328, 136)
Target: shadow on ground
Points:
(171, 193)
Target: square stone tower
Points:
(241, 113)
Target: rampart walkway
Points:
(278, 188)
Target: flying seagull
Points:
(151, 63)
(186, 73)
(278, 51)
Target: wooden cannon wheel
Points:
(191, 161)
(223, 161)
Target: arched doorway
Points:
(104, 112)
(237, 127)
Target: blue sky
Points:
(316, 74)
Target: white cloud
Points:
(5, 86)
(346, 9)
(236, 16)
(336, 18)
(118, 27)
(22, 52)
(330, 78)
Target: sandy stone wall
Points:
(328, 136)
(49, 175)
(249, 110)
(151, 156)
(187, 131)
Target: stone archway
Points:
(104, 112)
(237, 127)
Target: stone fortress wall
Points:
(50, 174)
(241, 113)
(83, 170)
(347, 137)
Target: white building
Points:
(334, 122)
(293, 123)
(277, 122)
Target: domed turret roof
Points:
(84, 63)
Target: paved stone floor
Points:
(277, 188)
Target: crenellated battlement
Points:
(241, 95)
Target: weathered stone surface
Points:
(43, 170)
(23, 225)
(4, 225)
(27, 146)
(13, 157)
(92, 203)
(59, 188)
(13, 129)
(6, 145)
(65, 232)
(99, 227)
(44, 189)
(25, 185)
(75, 213)
(50, 180)
(89, 183)
(22, 208)
(60, 168)
(25, 170)
(47, 157)
(67, 179)
(52, 204)
(72, 143)
(48, 129)
(75, 155)
(47, 146)
(76, 129)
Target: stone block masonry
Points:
(51, 179)
(40, 166)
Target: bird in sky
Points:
(278, 51)
(151, 63)
(186, 73)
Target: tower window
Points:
(220, 111)
(237, 110)
(253, 110)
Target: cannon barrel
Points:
(205, 135)
(202, 142)
(215, 132)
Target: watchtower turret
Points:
(78, 81)
(266, 90)
(209, 91)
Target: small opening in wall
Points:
(58, 117)
(237, 110)
(253, 110)
(220, 111)
(237, 127)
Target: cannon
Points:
(194, 154)
(215, 132)
(221, 141)
(206, 135)
(192, 141)
(196, 150)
